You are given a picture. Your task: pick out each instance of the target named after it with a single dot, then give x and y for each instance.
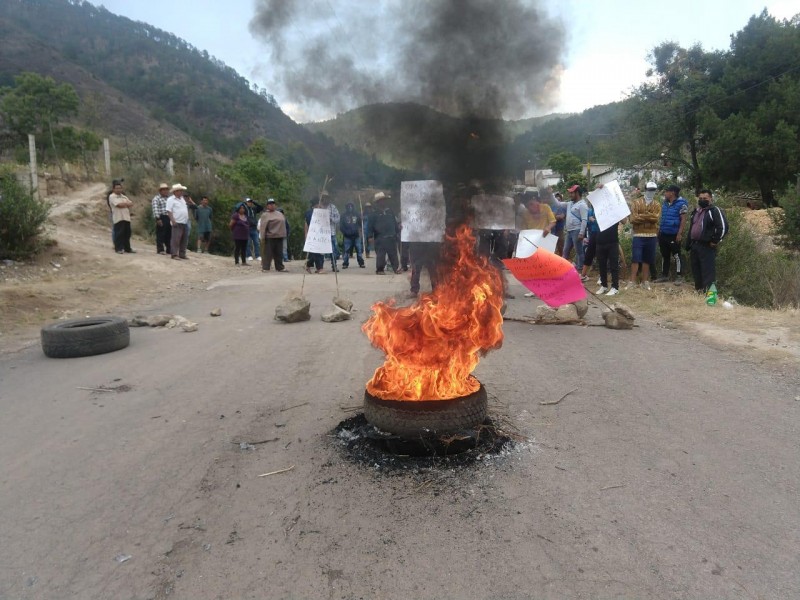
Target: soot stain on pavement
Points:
(363, 444)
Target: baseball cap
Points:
(271, 201)
(651, 185)
(574, 188)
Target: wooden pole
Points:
(363, 234)
(34, 169)
(107, 157)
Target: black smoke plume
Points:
(481, 60)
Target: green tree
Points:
(753, 136)
(76, 144)
(35, 105)
(256, 175)
(565, 164)
(670, 109)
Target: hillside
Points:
(414, 137)
(139, 82)
(411, 136)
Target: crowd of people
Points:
(261, 232)
(666, 225)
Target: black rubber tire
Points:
(85, 337)
(426, 418)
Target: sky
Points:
(604, 46)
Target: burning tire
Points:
(426, 418)
(85, 337)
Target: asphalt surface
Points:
(670, 472)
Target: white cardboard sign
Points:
(531, 240)
(493, 212)
(422, 211)
(319, 232)
(609, 205)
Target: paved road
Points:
(672, 471)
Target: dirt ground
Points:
(670, 471)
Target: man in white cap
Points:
(163, 227)
(645, 215)
(178, 214)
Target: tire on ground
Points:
(85, 337)
(426, 418)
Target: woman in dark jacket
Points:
(240, 228)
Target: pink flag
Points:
(553, 279)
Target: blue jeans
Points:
(570, 240)
(335, 255)
(256, 244)
(353, 243)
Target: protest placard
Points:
(319, 232)
(493, 212)
(530, 240)
(422, 211)
(609, 205)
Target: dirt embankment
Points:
(80, 274)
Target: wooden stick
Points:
(277, 472)
(257, 443)
(295, 406)
(612, 487)
(363, 233)
(95, 389)
(559, 400)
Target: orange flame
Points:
(433, 346)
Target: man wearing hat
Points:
(384, 227)
(272, 229)
(178, 214)
(163, 227)
(670, 231)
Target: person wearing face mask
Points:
(707, 227)
(645, 215)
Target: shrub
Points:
(787, 223)
(22, 218)
(755, 276)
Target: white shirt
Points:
(177, 206)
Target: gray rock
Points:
(545, 314)
(159, 320)
(189, 326)
(217, 312)
(582, 306)
(561, 315)
(335, 314)
(616, 320)
(138, 321)
(344, 304)
(567, 313)
(293, 309)
(623, 310)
